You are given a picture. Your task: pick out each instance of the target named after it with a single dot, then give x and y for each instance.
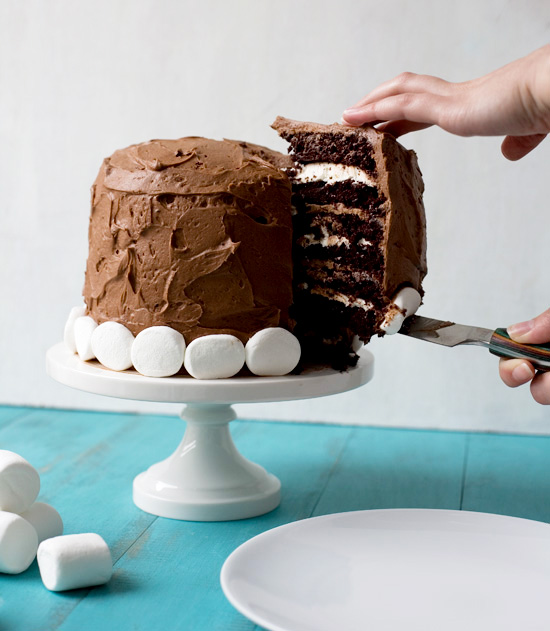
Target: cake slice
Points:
(359, 232)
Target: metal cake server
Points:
(498, 341)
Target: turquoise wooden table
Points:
(167, 572)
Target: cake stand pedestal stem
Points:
(206, 478)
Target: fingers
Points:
(540, 388)
(399, 128)
(515, 147)
(515, 372)
(418, 108)
(406, 82)
(404, 85)
(536, 331)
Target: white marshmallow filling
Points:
(331, 173)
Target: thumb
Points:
(536, 331)
(515, 147)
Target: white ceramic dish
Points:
(395, 570)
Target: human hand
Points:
(513, 101)
(516, 372)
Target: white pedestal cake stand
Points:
(206, 478)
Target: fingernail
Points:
(522, 373)
(517, 330)
(351, 110)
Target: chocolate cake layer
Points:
(348, 193)
(195, 234)
(370, 262)
(308, 144)
(361, 280)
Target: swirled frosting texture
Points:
(195, 234)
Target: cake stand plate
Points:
(206, 478)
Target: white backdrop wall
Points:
(81, 79)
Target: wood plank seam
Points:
(135, 541)
(87, 591)
(467, 438)
(335, 463)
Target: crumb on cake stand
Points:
(206, 478)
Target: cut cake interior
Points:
(359, 231)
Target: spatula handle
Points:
(502, 345)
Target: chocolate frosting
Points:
(195, 234)
(399, 180)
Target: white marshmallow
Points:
(356, 344)
(18, 543)
(45, 520)
(112, 345)
(83, 329)
(214, 357)
(272, 352)
(158, 351)
(19, 482)
(68, 333)
(74, 561)
(407, 299)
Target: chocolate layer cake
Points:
(359, 231)
(194, 234)
(205, 237)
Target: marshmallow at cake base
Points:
(111, 344)
(45, 520)
(68, 333)
(214, 356)
(158, 351)
(19, 482)
(83, 330)
(407, 300)
(272, 352)
(18, 543)
(356, 344)
(74, 561)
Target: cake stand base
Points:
(206, 478)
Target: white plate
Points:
(395, 570)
